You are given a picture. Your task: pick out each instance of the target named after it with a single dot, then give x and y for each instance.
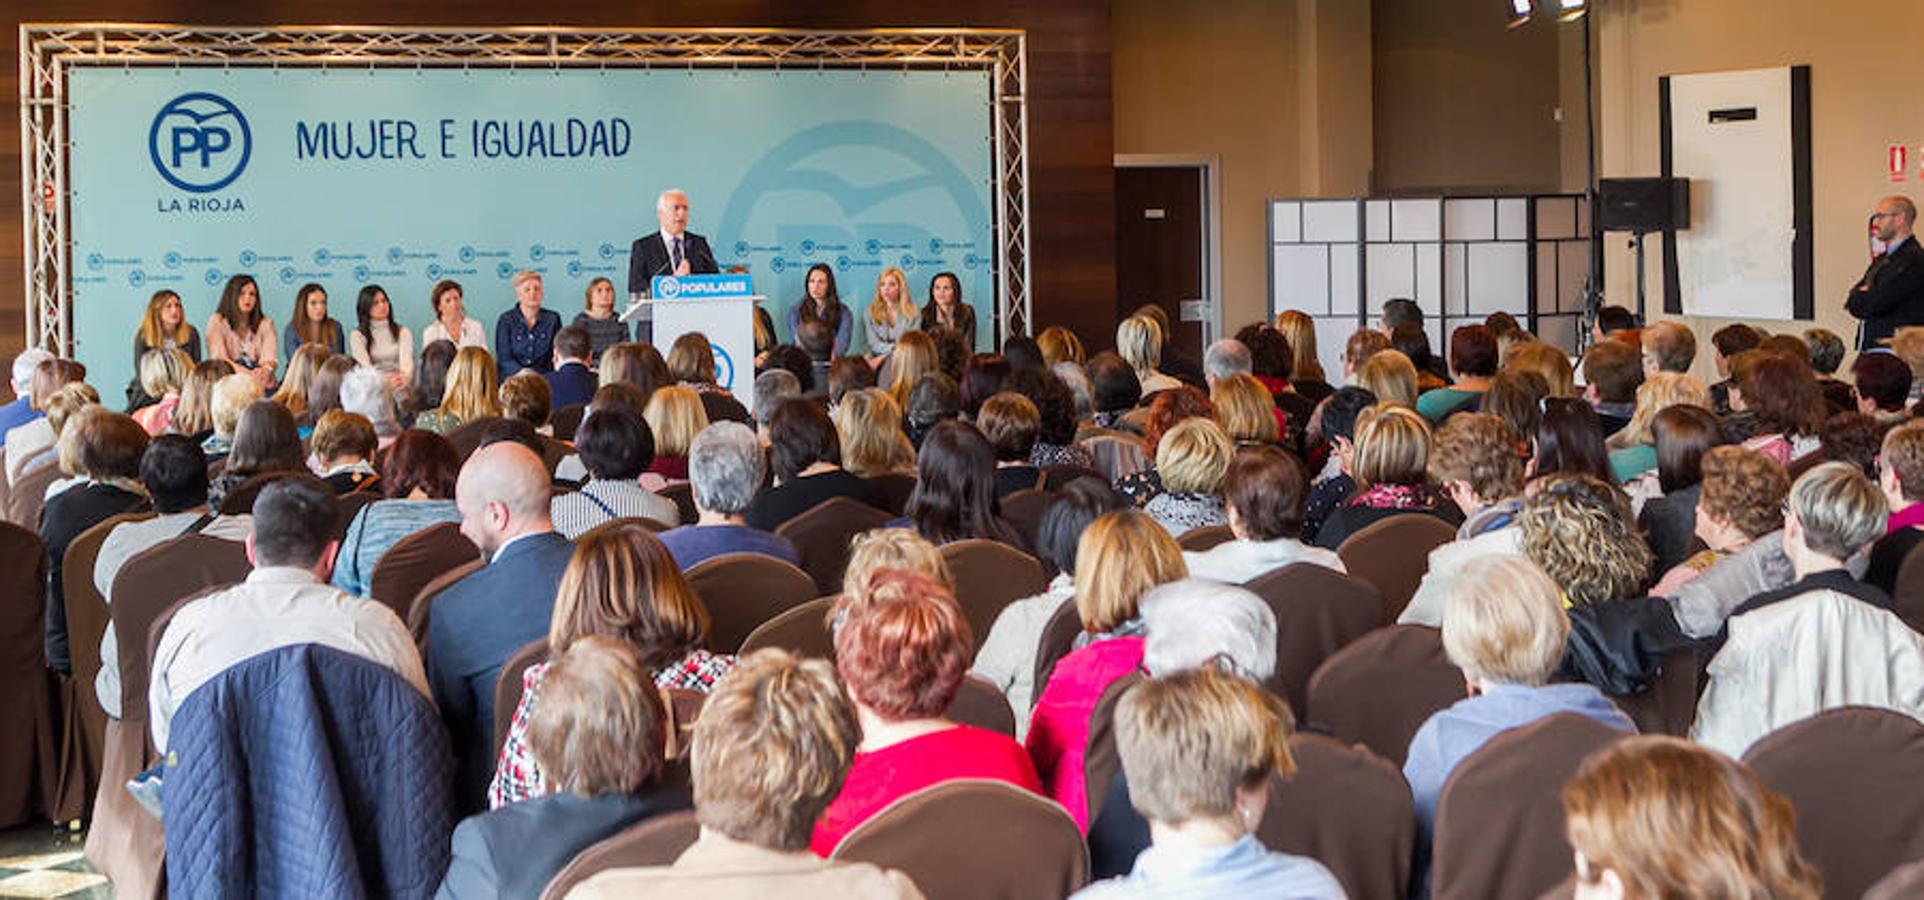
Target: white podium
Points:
(727, 322)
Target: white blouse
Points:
(389, 353)
(471, 334)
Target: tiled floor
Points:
(38, 860)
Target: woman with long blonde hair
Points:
(914, 357)
(869, 423)
(1633, 449)
(300, 376)
(469, 394)
(1246, 408)
(1306, 366)
(162, 327)
(675, 415)
(1059, 344)
(891, 314)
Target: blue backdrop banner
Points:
(184, 177)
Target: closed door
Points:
(1161, 237)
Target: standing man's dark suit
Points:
(650, 257)
(1890, 295)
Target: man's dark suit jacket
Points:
(473, 627)
(649, 257)
(1895, 297)
(570, 384)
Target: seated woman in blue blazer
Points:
(600, 735)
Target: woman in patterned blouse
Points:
(623, 583)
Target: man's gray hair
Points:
(661, 199)
(364, 390)
(771, 388)
(1840, 509)
(1079, 387)
(1197, 622)
(23, 366)
(725, 467)
(1225, 358)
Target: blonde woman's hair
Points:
(691, 359)
(66, 402)
(873, 552)
(306, 360)
(1192, 739)
(622, 583)
(1392, 445)
(1121, 555)
(1547, 361)
(523, 277)
(1059, 344)
(1193, 457)
(1247, 409)
(870, 428)
(1300, 330)
(675, 415)
(231, 395)
(1581, 531)
(601, 726)
(1139, 343)
(1676, 819)
(1658, 393)
(1390, 376)
(164, 371)
(151, 333)
(878, 310)
(1503, 622)
(913, 357)
(195, 413)
(469, 394)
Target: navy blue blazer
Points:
(473, 627)
(648, 257)
(513, 852)
(570, 384)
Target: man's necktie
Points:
(674, 258)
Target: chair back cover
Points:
(1058, 639)
(1318, 611)
(821, 537)
(1348, 809)
(1382, 687)
(508, 687)
(1101, 761)
(1393, 554)
(981, 704)
(1196, 540)
(1852, 774)
(989, 576)
(744, 590)
(415, 560)
(802, 629)
(654, 841)
(936, 837)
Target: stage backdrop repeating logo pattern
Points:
(184, 177)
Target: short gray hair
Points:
(23, 366)
(1192, 622)
(771, 388)
(1079, 387)
(725, 467)
(1839, 509)
(364, 391)
(1227, 357)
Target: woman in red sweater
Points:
(903, 655)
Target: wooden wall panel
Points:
(1072, 202)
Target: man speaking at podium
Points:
(671, 251)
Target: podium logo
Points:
(724, 367)
(200, 142)
(670, 288)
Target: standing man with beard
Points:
(1891, 293)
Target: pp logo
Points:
(778, 265)
(808, 248)
(466, 254)
(434, 271)
(607, 251)
(537, 253)
(95, 261)
(200, 142)
(321, 257)
(908, 261)
(874, 246)
(360, 272)
(841, 262)
(724, 367)
(247, 259)
(504, 270)
(741, 248)
(971, 261)
(670, 288)
(394, 256)
(213, 276)
(136, 278)
(574, 268)
(287, 274)
(171, 259)
(935, 246)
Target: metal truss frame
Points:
(48, 51)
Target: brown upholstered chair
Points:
(683, 707)
(895, 490)
(1101, 761)
(508, 687)
(1196, 540)
(1905, 881)
(744, 590)
(683, 494)
(1318, 611)
(988, 577)
(1058, 638)
(30, 755)
(802, 629)
(1669, 704)
(1852, 774)
(6, 494)
(422, 606)
(466, 437)
(1908, 599)
(1348, 809)
(1024, 510)
(348, 506)
(1117, 455)
(1393, 554)
(125, 842)
(29, 495)
(1382, 687)
(83, 722)
(821, 537)
(240, 500)
(935, 837)
(981, 704)
(415, 560)
(655, 841)
(1499, 819)
(1055, 478)
(567, 419)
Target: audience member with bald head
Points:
(481, 620)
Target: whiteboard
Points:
(1735, 260)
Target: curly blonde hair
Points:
(1581, 532)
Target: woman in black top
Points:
(163, 327)
(1389, 463)
(822, 303)
(107, 448)
(945, 308)
(806, 455)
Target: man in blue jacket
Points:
(481, 620)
